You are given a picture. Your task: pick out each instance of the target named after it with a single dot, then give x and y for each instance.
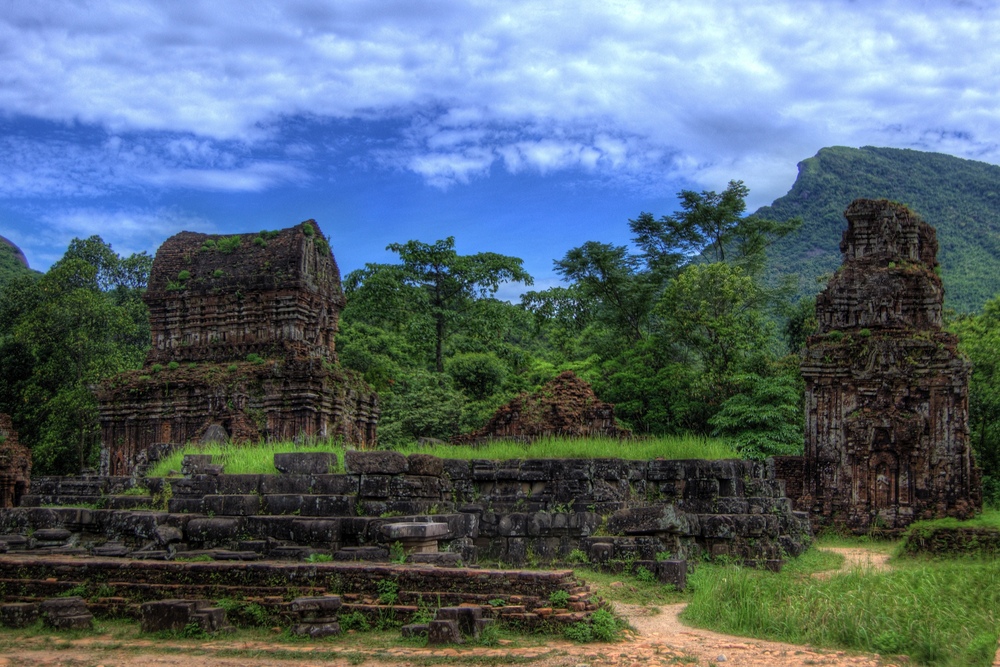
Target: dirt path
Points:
(661, 640)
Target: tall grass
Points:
(664, 447)
(259, 458)
(941, 613)
(255, 458)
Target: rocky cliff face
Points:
(242, 346)
(886, 392)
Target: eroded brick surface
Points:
(887, 437)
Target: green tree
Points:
(979, 339)
(81, 322)
(445, 283)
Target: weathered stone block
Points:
(443, 632)
(466, 618)
(240, 484)
(286, 484)
(374, 463)
(213, 531)
(18, 614)
(69, 613)
(404, 487)
(335, 485)
(316, 505)
(424, 464)
(282, 503)
(316, 630)
(375, 486)
(305, 463)
(673, 572)
(414, 630)
(243, 505)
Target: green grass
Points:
(938, 613)
(665, 447)
(259, 458)
(245, 459)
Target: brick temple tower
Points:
(887, 435)
(242, 346)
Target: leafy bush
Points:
(228, 244)
(184, 275)
(308, 229)
(559, 599)
(218, 273)
(479, 374)
(388, 591)
(173, 365)
(255, 358)
(764, 419)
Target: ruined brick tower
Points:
(887, 438)
(242, 346)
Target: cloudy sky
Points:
(519, 127)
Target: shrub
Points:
(184, 275)
(308, 229)
(255, 358)
(218, 273)
(559, 599)
(259, 241)
(173, 365)
(228, 244)
(157, 368)
(388, 591)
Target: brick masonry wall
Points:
(513, 511)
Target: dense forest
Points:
(686, 330)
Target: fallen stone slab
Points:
(69, 613)
(444, 632)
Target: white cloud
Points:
(701, 90)
(128, 230)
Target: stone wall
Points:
(242, 346)
(513, 511)
(887, 438)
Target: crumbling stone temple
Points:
(242, 347)
(887, 436)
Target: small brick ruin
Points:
(15, 465)
(565, 406)
(887, 437)
(242, 347)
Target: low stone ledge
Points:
(305, 463)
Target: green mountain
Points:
(12, 261)
(961, 198)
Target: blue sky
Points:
(518, 127)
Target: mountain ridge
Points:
(959, 197)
